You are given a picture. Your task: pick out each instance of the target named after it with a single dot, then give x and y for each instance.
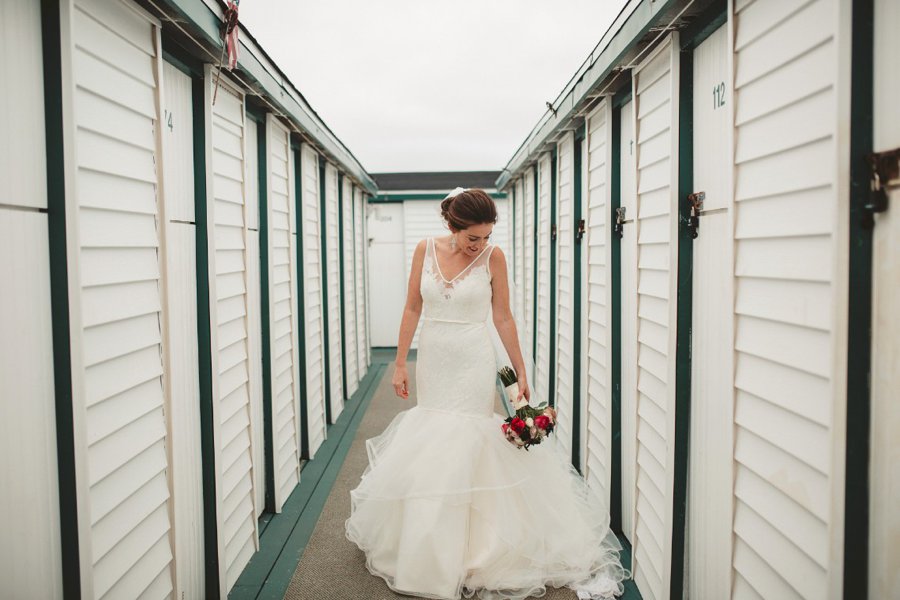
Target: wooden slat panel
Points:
(655, 226)
(565, 295)
(348, 258)
(334, 317)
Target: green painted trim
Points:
(270, 570)
(703, 25)
(859, 332)
(59, 299)
(381, 198)
(204, 343)
(536, 247)
(551, 396)
(623, 96)
(684, 306)
(615, 379)
(323, 247)
(341, 275)
(301, 303)
(577, 166)
(268, 418)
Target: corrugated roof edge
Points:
(625, 32)
(274, 84)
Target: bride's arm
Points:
(503, 317)
(410, 321)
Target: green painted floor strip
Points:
(286, 534)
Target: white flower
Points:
(529, 422)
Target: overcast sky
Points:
(422, 85)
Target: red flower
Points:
(505, 427)
(542, 421)
(518, 425)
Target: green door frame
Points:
(692, 36)
(578, 250)
(859, 331)
(257, 116)
(340, 219)
(551, 396)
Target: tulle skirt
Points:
(448, 508)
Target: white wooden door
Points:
(501, 234)
(530, 276)
(597, 281)
(884, 478)
(362, 298)
(655, 87)
(314, 319)
(230, 254)
(387, 254)
(116, 293)
(181, 273)
(30, 554)
(518, 302)
(708, 523)
(790, 287)
(283, 310)
(332, 264)
(565, 292)
(421, 219)
(628, 316)
(367, 331)
(544, 312)
(254, 314)
(349, 284)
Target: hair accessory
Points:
(456, 191)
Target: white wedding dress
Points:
(447, 507)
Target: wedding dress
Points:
(447, 507)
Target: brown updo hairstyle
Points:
(468, 208)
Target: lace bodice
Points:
(465, 297)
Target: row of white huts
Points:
(183, 311)
(712, 286)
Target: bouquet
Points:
(529, 425)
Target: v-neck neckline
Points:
(438, 264)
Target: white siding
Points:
(30, 559)
(314, 328)
(332, 239)
(181, 274)
(565, 291)
(518, 302)
(116, 299)
(708, 521)
(544, 312)
(656, 109)
(529, 254)
(229, 256)
(367, 332)
(360, 251)
(350, 329)
(597, 281)
(501, 235)
(283, 318)
(791, 84)
(884, 530)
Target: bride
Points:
(447, 507)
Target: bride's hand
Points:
(400, 381)
(524, 390)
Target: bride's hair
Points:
(471, 207)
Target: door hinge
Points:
(619, 227)
(885, 176)
(553, 232)
(580, 233)
(695, 205)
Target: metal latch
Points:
(619, 227)
(695, 204)
(553, 232)
(885, 175)
(580, 233)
